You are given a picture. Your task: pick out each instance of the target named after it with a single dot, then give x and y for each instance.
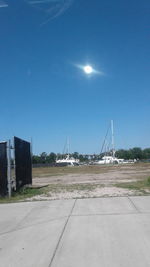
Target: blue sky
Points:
(44, 95)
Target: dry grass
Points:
(91, 177)
(143, 185)
(85, 169)
(86, 181)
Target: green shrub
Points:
(148, 180)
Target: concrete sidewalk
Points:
(107, 232)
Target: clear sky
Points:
(44, 93)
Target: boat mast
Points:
(112, 132)
(68, 147)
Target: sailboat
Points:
(110, 159)
(68, 161)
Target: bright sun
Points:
(88, 69)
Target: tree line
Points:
(45, 158)
(134, 153)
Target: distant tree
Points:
(75, 155)
(52, 157)
(36, 159)
(43, 157)
(146, 153)
(123, 154)
(136, 153)
(81, 158)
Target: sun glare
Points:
(88, 69)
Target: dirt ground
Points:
(103, 180)
(107, 175)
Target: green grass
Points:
(22, 195)
(140, 185)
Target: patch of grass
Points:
(22, 194)
(140, 185)
(148, 181)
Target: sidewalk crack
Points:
(132, 203)
(62, 233)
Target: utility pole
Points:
(9, 167)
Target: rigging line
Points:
(64, 150)
(105, 139)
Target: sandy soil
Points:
(97, 192)
(109, 176)
(105, 180)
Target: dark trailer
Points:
(23, 163)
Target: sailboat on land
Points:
(68, 161)
(109, 159)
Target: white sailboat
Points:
(69, 161)
(110, 159)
